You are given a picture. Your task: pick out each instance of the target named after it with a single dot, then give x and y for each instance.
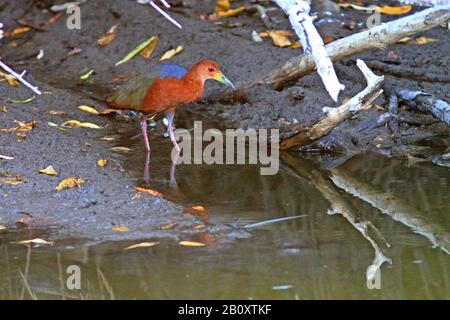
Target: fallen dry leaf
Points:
(87, 75)
(121, 149)
(4, 109)
(49, 171)
(109, 111)
(394, 11)
(70, 183)
(56, 112)
(78, 124)
(150, 48)
(191, 244)
(107, 138)
(142, 245)
(20, 31)
(171, 53)
(231, 12)
(424, 40)
(88, 109)
(15, 101)
(52, 124)
(21, 126)
(108, 37)
(280, 38)
(295, 45)
(223, 9)
(199, 208)
(168, 226)
(222, 6)
(13, 82)
(199, 227)
(36, 241)
(13, 181)
(328, 39)
(148, 191)
(120, 229)
(55, 18)
(102, 162)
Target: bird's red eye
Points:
(210, 69)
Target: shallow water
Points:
(320, 256)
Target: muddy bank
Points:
(106, 199)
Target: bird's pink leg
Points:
(144, 133)
(170, 116)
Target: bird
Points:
(171, 87)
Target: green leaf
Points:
(136, 50)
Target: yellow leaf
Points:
(88, 109)
(121, 149)
(69, 183)
(279, 38)
(108, 37)
(148, 191)
(78, 124)
(393, 11)
(148, 50)
(4, 109)
(198, 208)
(14, 181)
(283, 33)
(109, 111)
(10, 79)
(102, 162)
(120, 229)
(35, 241)
(192, 244)
(425, 40)
(222, 6)
(198, 227)
(56, 112)
(231, 12)
(107, 138)
(19, 31)
(168, 226)
(295, 45)
(49, 170)
(142, 245)
(52, 124)
(169, 54)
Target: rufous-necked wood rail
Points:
(173, 86)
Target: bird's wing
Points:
(172, 71)
(131, 95)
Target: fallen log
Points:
(376, 37)
(336, 116)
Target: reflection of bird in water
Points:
(174, 194)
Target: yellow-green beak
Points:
(224, 80)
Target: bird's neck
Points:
(194, 85)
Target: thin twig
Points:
(165, 14)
